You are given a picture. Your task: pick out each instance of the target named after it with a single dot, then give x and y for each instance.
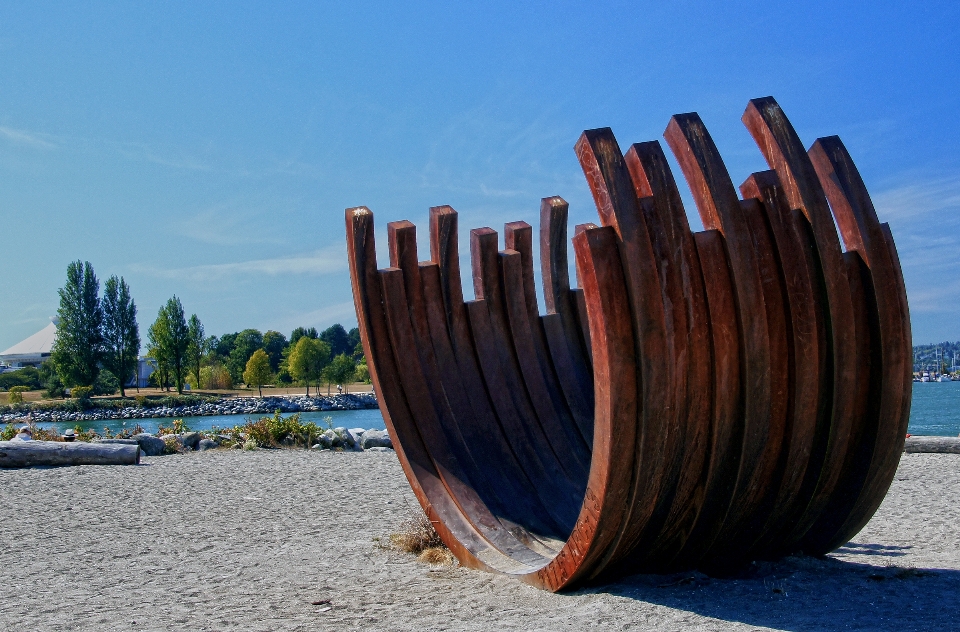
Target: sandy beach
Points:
(230, 540)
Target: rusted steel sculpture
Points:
(704, 399)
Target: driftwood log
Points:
(31, 453)
(702, 400)
(933, 445)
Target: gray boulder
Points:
(152, 446)
(375, 439)
(191, 440)
(324, 442)
(351, 440)
(206, 444)
(344, 439)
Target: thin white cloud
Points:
(321, 262)
(495, 156)
(343, 313)
(226, 224)
(919, 198)
(146, 153)
(937, 299)
(23, 137)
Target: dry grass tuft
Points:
(436, 555)
(418, 536)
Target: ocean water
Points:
(936, 409)
(367, 419)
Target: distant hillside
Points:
(925, 356)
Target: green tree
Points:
(179, 341)
(274, 343)
(244, 344)
(168, 342)
(224, 345)
(50, 379)
(338, 339)
(106, 384)
(196, 346)
(257, 371)
(363, 371)
(78, 348)
(27, 376)
(300, 332)
(340, 371)
(353, 338)
(158, 348)
(307, 360)
(121, 334)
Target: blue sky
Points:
(208, 150)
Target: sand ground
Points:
(230, 540)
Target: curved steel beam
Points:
(702, 400)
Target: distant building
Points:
(144, 369)
(34, 350)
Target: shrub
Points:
(141, 401)
(279, 430)
(106, 383)
(39, 434)
(225, 437)
(171, 445)
(87, 435)
(45, 434)
(216, 377)
(81, 393)
(174, 401)
(124, 433)
(250, 444)
(27, 376)
(363, 372)
(54, 388)
(16, 394)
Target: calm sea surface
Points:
(935, 411)
(366, 419)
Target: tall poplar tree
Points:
(169, 339)
(179, 340)
(158, 347)
(121, 334)
(78, 348)
(197, 345)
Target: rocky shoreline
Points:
(341, 439)
(225, 406)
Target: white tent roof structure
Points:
(33, 350)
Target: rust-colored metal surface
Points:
(702, 400)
